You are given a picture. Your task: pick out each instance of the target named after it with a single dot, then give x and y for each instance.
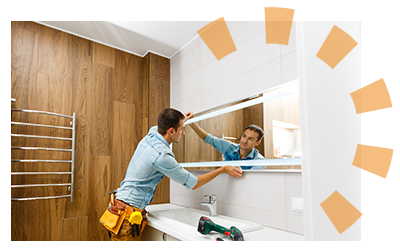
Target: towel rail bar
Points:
(72, 150)
(53, 161)
(38, 148)
(41, 185)
(41, 112)
(42, 137)
(40, 198)
(39, 173)
(39, 125)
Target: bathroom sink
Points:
(190, 217)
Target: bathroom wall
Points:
(200, 82)
(260, 197)
(321, 111)
(110, 91)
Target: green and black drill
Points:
(206, 226)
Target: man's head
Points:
(251, 137)
(171, 123)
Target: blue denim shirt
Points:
(231, 152)
(152, 160)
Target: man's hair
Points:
(169, 118)
(256, 129)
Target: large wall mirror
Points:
(276, 111)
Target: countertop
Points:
(264, 234)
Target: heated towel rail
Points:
(44, 161)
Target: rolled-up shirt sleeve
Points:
(167, 165)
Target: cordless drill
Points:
(206, 226)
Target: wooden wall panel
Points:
(124, 141)
(79, 77)
(154, 91)
(26, 25)
(45, 219)
(100, 184)
(163, 74)
(102, 110)
(79, 208)
(74, 229)
(46, 214)
(53, 52)
(158, 81)
(24, 56)
(124, 74)
(50, 92)
(56, 72)
(145, 96)
(103, 55)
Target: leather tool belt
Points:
(120, 205)
(117, 211)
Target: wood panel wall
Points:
(158, 69)
(110, 91)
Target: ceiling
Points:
(164, 38)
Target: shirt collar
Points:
(154, 131)
(251, 155)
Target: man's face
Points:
(249, 139)
(176, 136)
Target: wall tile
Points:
(187, 64)
(292, 46)
(253, 68)
(268, 207)
(289, 67)
(186, 87)
(186, 49)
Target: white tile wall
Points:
(259, 197)
(254, 67)
(200, 82)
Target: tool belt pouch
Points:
(112, 221)
(143, 225)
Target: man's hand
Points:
(233, 171)
(188, 115)
(205, 178)
(199, 131)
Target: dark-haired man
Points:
(245, 150)
(152, 160)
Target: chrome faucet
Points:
(211, 204)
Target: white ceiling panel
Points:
(164, 38)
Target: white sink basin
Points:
(190, 217)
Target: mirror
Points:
(276, 111)
(286, 138)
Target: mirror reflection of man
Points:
(245, 150)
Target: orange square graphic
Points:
(371, 97)
(278, 24)
(336, 46)
(373, 159)
(340, 211)
(217, 37)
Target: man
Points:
(250, 138)
(152, 160)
